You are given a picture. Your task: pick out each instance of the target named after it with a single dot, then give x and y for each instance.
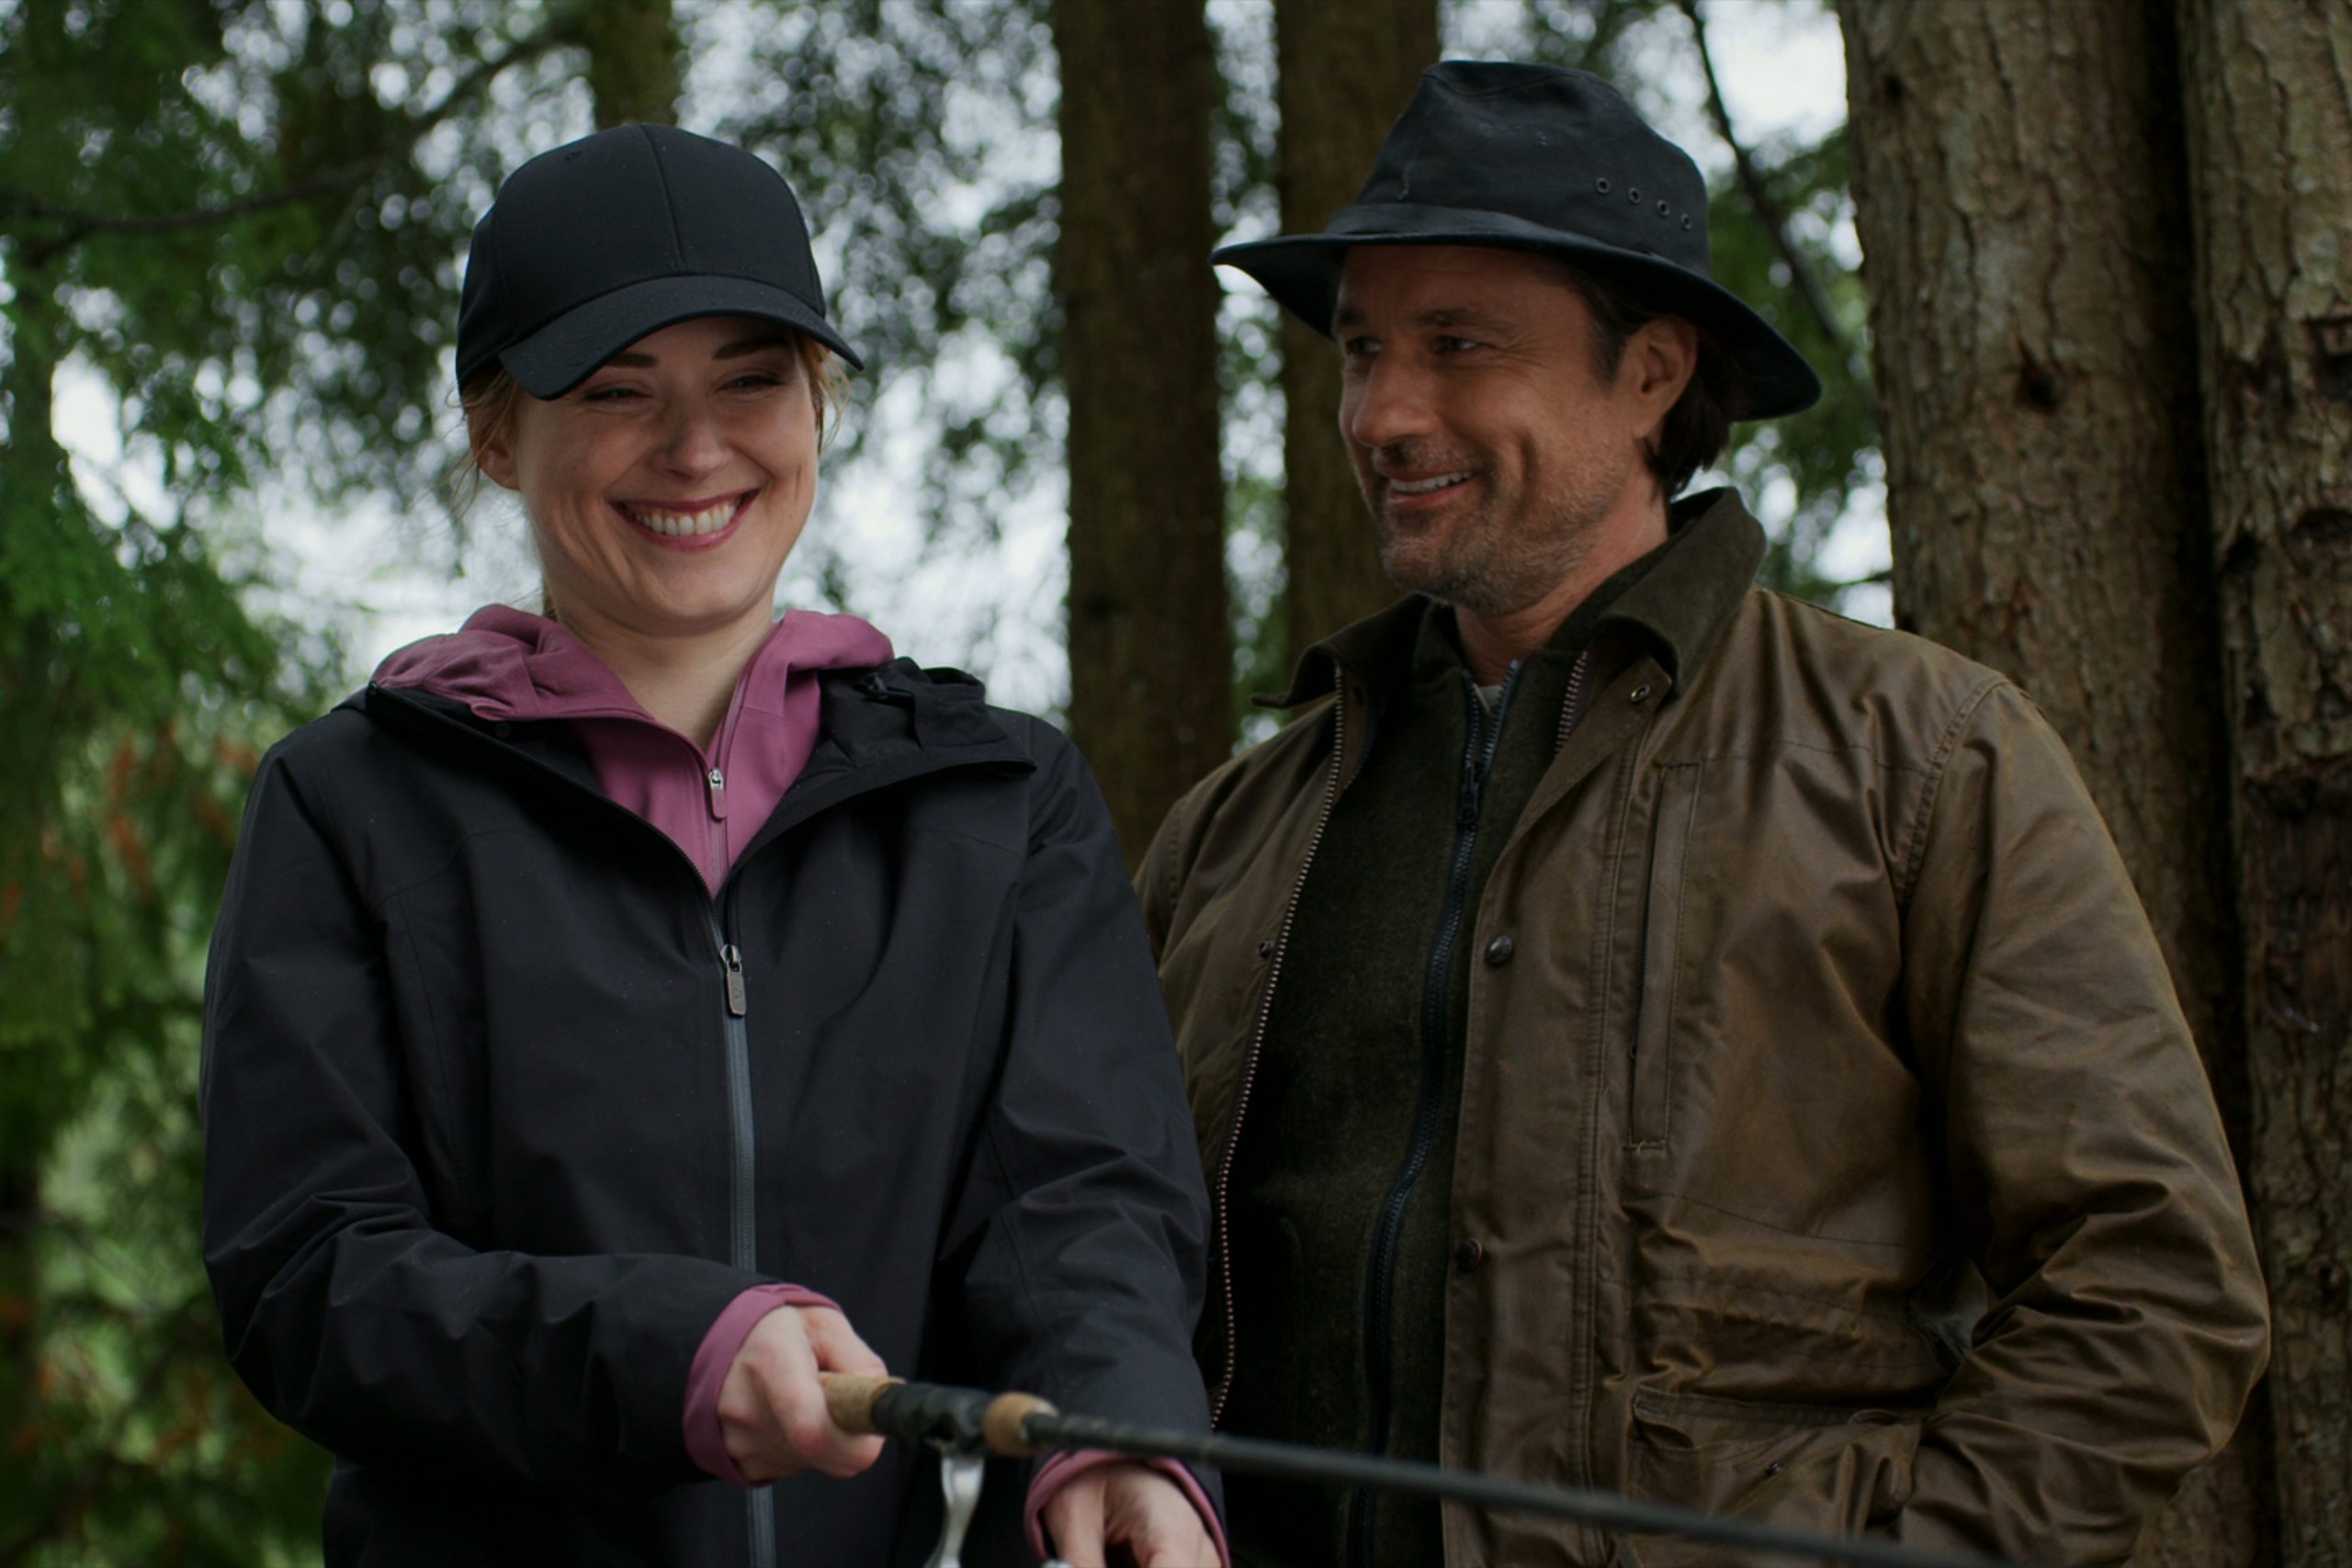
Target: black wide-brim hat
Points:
(1532, 157)
(591, 246)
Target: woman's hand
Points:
(1128, 1505)
(772, 1409)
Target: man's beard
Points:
(1492, 565)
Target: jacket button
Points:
(1469, 1254)
(1641, 693)
(1498, 952)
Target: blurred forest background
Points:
(231, 238)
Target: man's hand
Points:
(772, 1409)
(1128, 1505)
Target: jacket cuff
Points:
(706, 1443)
(1059, 1470)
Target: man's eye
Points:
(1359, 347)
(1459, 344)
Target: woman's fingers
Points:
(837, 1346)
(772, 1408)
(1074, 1519)
(1148, 1513)
(1131, 1506)
(836, 1349)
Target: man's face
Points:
(1493, 456)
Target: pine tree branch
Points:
(79, 225)
(1758, 191)
(182, 1341)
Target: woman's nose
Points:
(694, 444)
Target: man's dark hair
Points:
(1699, 422)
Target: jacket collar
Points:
(878, 727)
(1679, 606)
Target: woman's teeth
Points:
(685, 525)
(1423, 486)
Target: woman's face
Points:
(665, 490)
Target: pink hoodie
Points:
(507, 664)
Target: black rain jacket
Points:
(501, 1109)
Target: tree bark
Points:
(1150, 651)
(2270, 95)
(1346, 70)
(2019, 183)
(633, 61)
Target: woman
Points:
(618, 1016)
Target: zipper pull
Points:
(734, 962)
(715, 791)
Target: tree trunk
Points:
(633, 61)
(1150, 651)
(2270, 95)
(1346, 70)
(2019, 190)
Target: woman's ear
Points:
(493, 439)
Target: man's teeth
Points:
(685, 525)
(1423, 486)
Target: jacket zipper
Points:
(743, 1165)
(1218, 1228)
(1572, 705)
(1380, 1286)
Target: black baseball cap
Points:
(1535, 157)
(592, 246)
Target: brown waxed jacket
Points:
(1833, 1146)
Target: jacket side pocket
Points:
(1649, 1119)
(1831, 1470)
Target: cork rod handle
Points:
(850, 1400)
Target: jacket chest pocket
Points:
(1649, 1116)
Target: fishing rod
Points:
(967, 1425)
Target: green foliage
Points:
(143, 1446)
(1830, 451)
(190, 195)
(890, 117)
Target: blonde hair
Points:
(491, 399)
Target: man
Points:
(1647, 1033)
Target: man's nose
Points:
(1390, 402)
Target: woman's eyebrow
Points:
(743, 346)
(735, 350)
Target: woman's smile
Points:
(689, 524)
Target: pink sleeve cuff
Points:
(706, 1443)
(1057, 1471)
